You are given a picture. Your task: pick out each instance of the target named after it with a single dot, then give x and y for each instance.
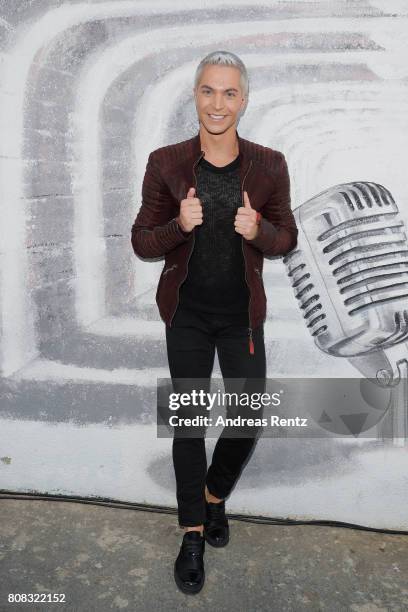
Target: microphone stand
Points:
(395, 423)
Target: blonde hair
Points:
(224, 58)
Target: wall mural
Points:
(87, 91)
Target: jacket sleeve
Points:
(153, 235)
(277, 231)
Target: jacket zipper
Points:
(250, 340)
(192, 248)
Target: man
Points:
(214, 236)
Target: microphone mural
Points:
(349, 273)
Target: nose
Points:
(218, 101)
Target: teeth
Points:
(217, 116)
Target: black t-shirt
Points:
(216, 271)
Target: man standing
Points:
(214, 236)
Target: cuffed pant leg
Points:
(190, 466)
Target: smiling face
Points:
(219, 98)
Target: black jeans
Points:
(191, 343)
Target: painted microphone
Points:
(349, 273)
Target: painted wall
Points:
(87, 90)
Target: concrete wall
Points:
(87, 90)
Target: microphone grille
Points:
(306, 292)
(349, 270)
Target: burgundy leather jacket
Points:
(170, 172)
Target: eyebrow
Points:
(229, 89)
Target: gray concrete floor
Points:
(114, 559)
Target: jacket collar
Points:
(197, 152)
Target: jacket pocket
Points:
(169, 269)
(163, 276)
(259, 274)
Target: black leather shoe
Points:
(216, 528)
(189, 566)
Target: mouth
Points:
(217, 117)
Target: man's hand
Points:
(245, 220)
(191, 212)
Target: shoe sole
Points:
(213, 543)
(189, 590)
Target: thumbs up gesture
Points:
(245, 220)
(191, 212)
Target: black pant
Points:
(191, 343)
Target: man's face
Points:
(219, 93)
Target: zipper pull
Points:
(251, 344)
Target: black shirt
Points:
(216, 271)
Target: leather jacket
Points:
(170, 172)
